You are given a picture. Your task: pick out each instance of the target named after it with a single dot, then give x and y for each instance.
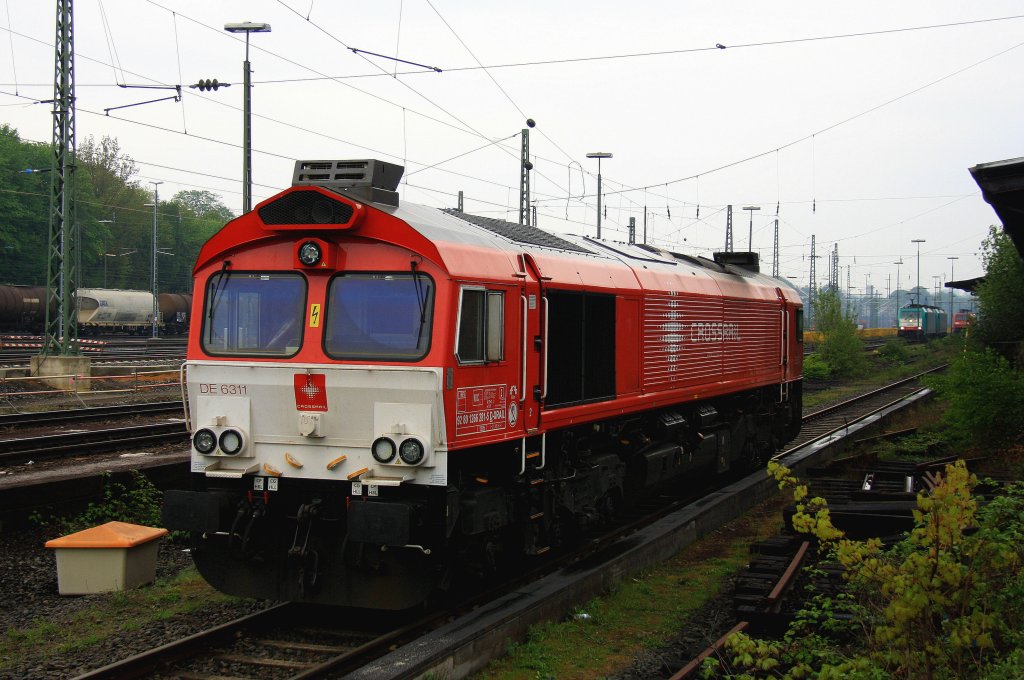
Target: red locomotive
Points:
(380, 392)
(962, 320)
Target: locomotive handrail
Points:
(544, 348)
(782, 337)
(522, 389)
(184, 396)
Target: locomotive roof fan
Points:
(359, 181)
(367, 180)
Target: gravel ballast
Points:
(28, 586)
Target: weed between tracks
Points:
(643, 612)
(106, 617)
(885, 365)
(648, 611)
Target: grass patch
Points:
(110, 615)
(642, 612)
(917, 357)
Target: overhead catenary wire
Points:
(506, 184)
(493, 79)
(177, 50)
(813, 135)
(419, 94)
(10, 36)
(108, 35)
(757, 44)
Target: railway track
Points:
(880, 505)
(20, 351)
(89, 413)
(283, 639)
(13, 451)
(249, 648)
(828, 420)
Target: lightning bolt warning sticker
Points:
(314, 316)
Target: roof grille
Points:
(520, 233)
(368, 180)
(305, 207)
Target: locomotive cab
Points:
(380, 395)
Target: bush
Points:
(984, 396)
(946, 602)
(137, 502)
(815, 368)
(894, 352)
(840, 346)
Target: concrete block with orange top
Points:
(112, 556)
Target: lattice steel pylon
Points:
(811, 286)
(833, 272)
(61, 331)
(728, 229)
(524, 178)
(775, 251)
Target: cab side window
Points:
(481, 333)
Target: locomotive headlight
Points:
(310, 254)
(231, 442)
(204, 441)
(411, 452)
(383, 450)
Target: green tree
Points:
(984, 397)
(24, 209)
(204, 204)
(1001, 315)
(840, 348)
(115, 224)
(188, 220)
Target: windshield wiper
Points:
(421, 298)
(217, 289)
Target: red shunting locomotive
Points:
(380, 392)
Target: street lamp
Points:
(105, 251)
(918, 241)
(750, 234)
(599, 155)
(952, 260)
(898, 263)
(246, 27)
(156, 206)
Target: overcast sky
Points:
(862, 140)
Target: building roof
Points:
(969, 285)
(1002, 186)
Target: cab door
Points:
(533, 308)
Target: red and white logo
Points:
(310, 392)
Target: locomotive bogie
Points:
(392, 395)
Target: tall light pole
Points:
(105, 251)
(156, 206)
(599, 155)
(750, 233)
(918, 241)
(952, 259)
(246, 27)
(898, 263)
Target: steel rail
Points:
(143, 663)
(89, 442)
(89, 413)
